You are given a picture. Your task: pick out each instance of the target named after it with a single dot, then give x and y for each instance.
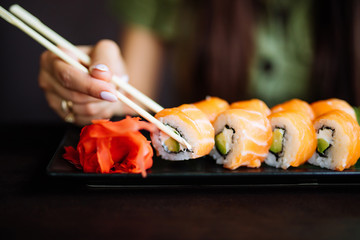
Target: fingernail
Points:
(124, 78)
(100, 67)
(108, 96)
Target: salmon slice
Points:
(324, 106)
(296, 105)
(212, 107)
(252, 104)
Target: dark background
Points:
(81, 22)
(34, 205)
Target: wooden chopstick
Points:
(36, 24)
(51, 47)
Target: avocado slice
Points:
(223, 140)
(220, 143)
(277, 144)
(172, 145)
(322, 145)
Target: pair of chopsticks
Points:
(60, 41)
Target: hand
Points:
(77, 96)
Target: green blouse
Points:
(280, 68)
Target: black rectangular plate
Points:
(198, 172)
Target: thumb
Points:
(100, 71)
(106, 60)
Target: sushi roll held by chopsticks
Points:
(192, 125)
(338, 144)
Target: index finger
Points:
(106, 60)
(77, 80)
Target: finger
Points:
(47, 59)
(85, 113)
(49, 84)
(73, 79)
(82, 113)
(86, 50)
(83, 48)
(100, 71)
(106, 60)
(95, 109)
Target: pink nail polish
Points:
(108, 96)
(100, 67)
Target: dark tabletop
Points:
(36, 206)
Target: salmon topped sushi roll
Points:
(294, 139)
(192, 125)
(212, 107)
(242, 138)
(338, 144)
(324, 106)
(252, 104)
(296, 105)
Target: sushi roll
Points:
(252, 104)
(324, 106)
(192, 125)
(296, 105)
(242, 138)
(294, 139)
(338, 145)
(212, 107)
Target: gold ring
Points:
(64, 106)
(70, 117)
(67, 106)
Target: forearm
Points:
(143, 55)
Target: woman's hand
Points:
(77, 96)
